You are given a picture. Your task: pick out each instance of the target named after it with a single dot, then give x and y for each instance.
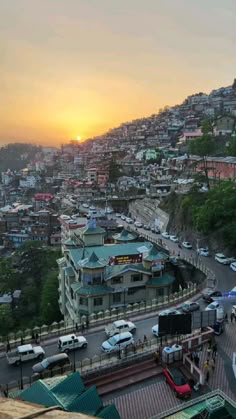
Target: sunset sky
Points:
(79, 67)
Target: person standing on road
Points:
(232, 317)
(214, 350)
(8, 346)
(206, 370)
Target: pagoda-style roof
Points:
(93, 262)
(154, 254)
(125, 236)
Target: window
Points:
(117, 297)
(133, 290)
(117, 280)
(83, 301)
(137, 277)
(97, 301)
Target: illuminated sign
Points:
(125, 260)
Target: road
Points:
(226, 281)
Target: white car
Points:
(123, 217)
(213, 306)
(233, 266)
(165, 235)
(169, 312)
(118, 342)
(118, 215)
(219, 257)
(85, 205)
(187, 245)
(129, 220)
(174, 239)
(120, 326)
(138, 224)
(155, 330)
(202, 251)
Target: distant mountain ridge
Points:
(16, 156)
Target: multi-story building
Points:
(95, 277)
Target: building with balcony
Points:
(94, 277)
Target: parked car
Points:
(138, 224)
(233, 266)
(118, 215)
(71, 342)
(165, 235)
(213, 306)
(190, 306)
(129, 220)
(155, 230)
(155, 330)
(123, 217)
(203, 251)
(208, 295)
(120, 326)
(169, 312)
(50, 363)
(174, 239)
(146, 227)
(177, 382)
(221, 258)
(187, 245)
(118, 342)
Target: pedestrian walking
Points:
(214, 350)
(206, 368)
(8, 347)
(232, 317)
(196, 360)
(226, 318)
(76, 327)
(209, 351)
(22, 340)
(36, 338)
(212, 365)
(145, 338)
(82, 327)
(87, 323)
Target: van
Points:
(118, 342)
(71, 342)
(54, 361)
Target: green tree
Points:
(218, 212)
(49, 307)
(6, 320)
(204, 147)
(114, 171)
(231, 149)
(8, 277)
(207, 126)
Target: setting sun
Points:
(78, 138)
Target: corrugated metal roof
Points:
(39, 393)
(89, 402)
(68, 390)
(109, 412)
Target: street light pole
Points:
(73, 338)
(21, 375)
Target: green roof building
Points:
(70, 394)
(95, 277)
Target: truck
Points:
(25, 353)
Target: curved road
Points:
(226, 279)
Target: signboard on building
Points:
(125, 259)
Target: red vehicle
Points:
(177, 381)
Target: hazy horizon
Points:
(76, 68)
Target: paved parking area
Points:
(152, 399)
